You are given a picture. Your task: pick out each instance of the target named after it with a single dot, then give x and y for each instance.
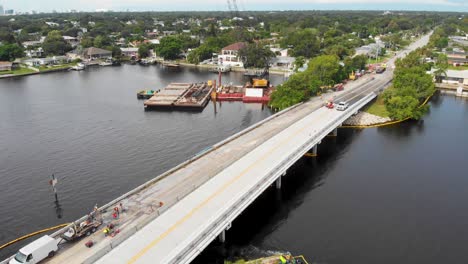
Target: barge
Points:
(259, 91)
(175, 96)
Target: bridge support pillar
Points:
(334, 133)
(278, 182)
(222, 236)
(314, 150)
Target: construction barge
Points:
(259, 91)
(183, 96)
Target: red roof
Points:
(235, 46)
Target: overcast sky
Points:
(208, 5)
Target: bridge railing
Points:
(237, 204)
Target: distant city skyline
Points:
(214, 5)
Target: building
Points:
(1, 10)
(35, 53)
(457, 58)
(129, 52)
(5, 65)
(72, 41)
(229, 55)
(96, 53)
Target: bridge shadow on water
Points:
(272, 208)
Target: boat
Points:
(146, 62)
(279, 259)
(171, 65)
(221, 68)
(78, 67)
(105, 63)
(145, 94)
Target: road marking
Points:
(220, 190)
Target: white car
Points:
(341, 106)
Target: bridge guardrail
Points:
(238, 204)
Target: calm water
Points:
(90, 130)
(387, 195)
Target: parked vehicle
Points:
(36, 251)
(84, 228)
(342, 106)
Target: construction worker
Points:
(106, 231)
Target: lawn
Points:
(458, 68)
(56, 67)
(18, 71)
(377, 108)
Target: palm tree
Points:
(441, 67)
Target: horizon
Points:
(49, 6)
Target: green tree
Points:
(441, 67)
(144, 50)
(101, 41)
(298, 63)
(169, 48)
(54, 44)
(9, 52)
(303, 42)
(256, 56)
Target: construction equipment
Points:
(84, 228)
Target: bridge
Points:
(173, 217)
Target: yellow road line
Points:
(207, 200)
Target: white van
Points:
(36, 251)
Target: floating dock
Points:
(181, 96)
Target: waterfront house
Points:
(129, 52)
(94, 53)
(6, 66)
(457, 58)
(229, 55)
(72, 41)
(35, 53)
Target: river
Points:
(393, 194)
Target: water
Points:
(90, 130)
(388, 195)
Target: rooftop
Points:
(235, 46)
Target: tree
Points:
(256, 56)
(304, 43)
(54, 44)
(441, 67)
(10, 52)
(101, 41)
(298, 63)
(144, 50)
(169, 48)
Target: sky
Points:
(243, 5)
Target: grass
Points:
(55, 67)
(458, 68)
(377, 108)
(18, 71)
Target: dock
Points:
(181, 96)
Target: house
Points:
(52, 24)
(5, 65)
(279, 51)
(35, 53)
(457, 58)
(129, 52)
(229, 55)
(282, 62)
(454, 77)
(71, 40)
(93, 53)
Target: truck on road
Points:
(36, 251)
